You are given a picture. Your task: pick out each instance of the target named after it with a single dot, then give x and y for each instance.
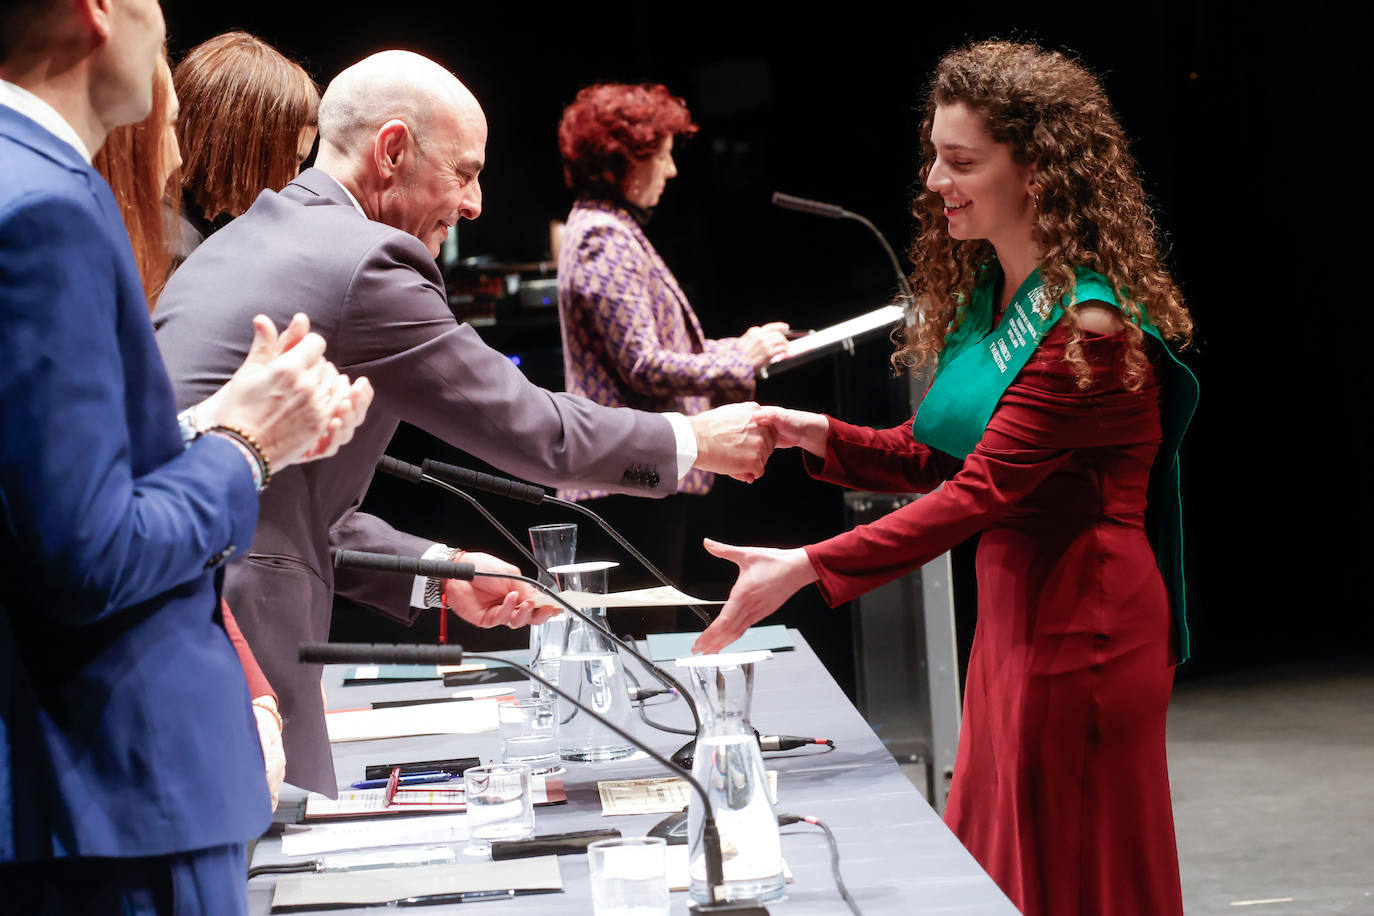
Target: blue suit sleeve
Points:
(100, 521)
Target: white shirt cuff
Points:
(417, 591)
(686, 443)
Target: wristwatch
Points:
(434, 586)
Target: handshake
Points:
(737, 439)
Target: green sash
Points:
(978, 362)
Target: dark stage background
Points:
(1242, 121)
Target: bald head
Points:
(390, 85)
(408, 141)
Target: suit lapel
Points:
(665, 276)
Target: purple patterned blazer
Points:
(630, 338)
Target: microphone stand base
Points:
(684, 755)
(672, 829)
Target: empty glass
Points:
(629, 876)
(529, 734)
(552, 545)
(499, 805)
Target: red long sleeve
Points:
(257, 681)
(881, 460)
(1041, 423)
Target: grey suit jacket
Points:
(376, 296)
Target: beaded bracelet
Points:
(264, 467)
(262, 703)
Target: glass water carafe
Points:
(590, 670)
(729, 767)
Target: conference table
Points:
(896, 855)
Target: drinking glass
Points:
(529, 734)
(499, 805)
(552, 545)
(629, 876)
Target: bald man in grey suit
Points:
(352, 244)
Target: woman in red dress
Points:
(1053, 420)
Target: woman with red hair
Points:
(630, 337)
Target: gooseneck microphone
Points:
(446, 475)
(831, 211)
(381, 562)
(371, 653)
(804, 205)
(488, 483)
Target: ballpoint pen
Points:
(409, 779)
(463, 897)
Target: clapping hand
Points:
(294, 403)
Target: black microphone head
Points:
(815, 207)
(324, 653)
(396, 468)
(501, 486)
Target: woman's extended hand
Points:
(796, 428)
(768, 576)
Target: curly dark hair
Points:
(1051, 113)
(609, 126)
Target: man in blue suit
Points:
(130, 769)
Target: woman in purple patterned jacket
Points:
(630, 338)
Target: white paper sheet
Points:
(383, 885)
(659, 596)
(457, 718)
(445, 796)
(315, 839)
(886, 316)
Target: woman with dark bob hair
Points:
(630, 337)
(1053, 423)
(248, 120)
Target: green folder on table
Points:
(371, 673)
(668, 646)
